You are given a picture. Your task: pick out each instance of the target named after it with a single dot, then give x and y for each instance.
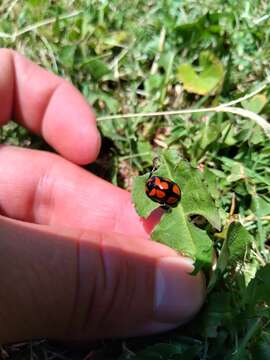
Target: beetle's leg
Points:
(166, 208)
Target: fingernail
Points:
(178, 295)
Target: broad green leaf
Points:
(195, 196)
(35, 2)
(228, 133)
(236, 244)
(210, 133)
(257, 135)
(153, 83)
(170, 351)
(109, 101)
(117, 38)
(255, 104)
(208, 81)
(216, 312)
(260, 206)
(177, 232)
(97, 68)
(145, 151)
(109, 128)
(143, 205)
(239, 241)
(166, 62)
(67, 55)
(258, 289)
(243, 171)
(160, 351)
(196, 199)
(237, 172)
(212, 182)
(175, 228)
(261, 350)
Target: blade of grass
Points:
(220, 108)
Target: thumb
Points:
(83, 285)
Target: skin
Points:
(76, 260)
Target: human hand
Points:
(75, 258)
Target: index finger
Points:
(49, 106)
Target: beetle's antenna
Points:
(155, 165)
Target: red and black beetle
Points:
(162, 190)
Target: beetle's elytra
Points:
(162, 190)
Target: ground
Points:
(142, 56)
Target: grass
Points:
(126, 58)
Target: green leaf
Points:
(208, 81)
(242, 172)
(210, 133)
(196, 199)
(260, 206)
(145, 151)
(153, 83)
(255, 104)
(143, 205)
(97, 68)
(258, 289)
(175, 228)
(35, 2)
(111, 103)
(67, 54)
(216, 312)
(212, 182)
(261, 351)
(171, 351)
(237, 173)
(175, 231)
(160, 351)
(238, 241)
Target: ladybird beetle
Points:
(162, 190)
